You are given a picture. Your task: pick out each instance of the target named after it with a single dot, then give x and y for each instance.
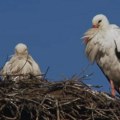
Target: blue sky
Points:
(52, 30)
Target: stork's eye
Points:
(99, 21)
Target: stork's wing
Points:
(116, 88)
(116, 36)
(117, 52)
(35, 66)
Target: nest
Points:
(33, 99)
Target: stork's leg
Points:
(112, 88)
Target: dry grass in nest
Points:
(33, 99)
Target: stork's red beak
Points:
(95, 26)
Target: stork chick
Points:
(21, 63)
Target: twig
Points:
(57, 110)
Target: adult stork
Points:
(103, 46)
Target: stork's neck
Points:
(104, 26)
(21, 55)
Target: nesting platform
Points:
(71, 99)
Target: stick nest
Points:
(33, 99)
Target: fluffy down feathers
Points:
(21, 63)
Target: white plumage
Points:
(21, 63)
(103, 46)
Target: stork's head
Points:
(21, 49)
(100, 21)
